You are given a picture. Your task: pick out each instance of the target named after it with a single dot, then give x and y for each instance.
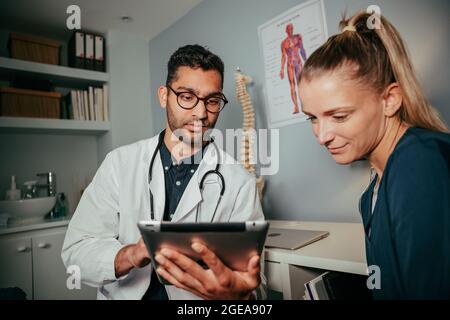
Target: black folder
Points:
(89, 51)
(76, 51)
(99, 53)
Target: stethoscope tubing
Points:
(216, 171)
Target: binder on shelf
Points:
(86, 105)
(73, 102)
(64, 108)
(87, 51)
(89, 45)
(96, 104)
(99, 104)
(102, 104)
(105, 103)
(82, 116)
(91, 104)
(99, 54)
(76, 50)
(69, 105)
(78, 106)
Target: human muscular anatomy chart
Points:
(291, 49)
(286, 41)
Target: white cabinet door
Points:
(49, 272)
(16, 264)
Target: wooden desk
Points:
(343, 250)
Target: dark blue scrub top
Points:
(410, 226)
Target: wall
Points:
(130, 112)
(309, 185)
(26, 155)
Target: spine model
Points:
(248, 128)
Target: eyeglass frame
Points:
(205, 99)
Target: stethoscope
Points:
(202, 181)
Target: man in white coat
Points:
(103, 239)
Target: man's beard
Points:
(183, 134)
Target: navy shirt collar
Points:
(169, 161)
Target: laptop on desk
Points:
(292, 239)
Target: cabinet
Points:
(343, 250)
(16, 267)
(32, 261)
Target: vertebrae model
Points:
(248, 127)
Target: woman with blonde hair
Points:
(364, 102)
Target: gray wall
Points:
(129, 91)
(309, 185)
(25, 155)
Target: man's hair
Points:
(193, 56)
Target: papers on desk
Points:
(337, 286)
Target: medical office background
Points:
(309, 185)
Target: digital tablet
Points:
(233, 242)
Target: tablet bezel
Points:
(233, 242)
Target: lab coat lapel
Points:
(189, 200)
(157, 185)
(192, 195)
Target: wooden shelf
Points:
(53, 126)
(59, 75)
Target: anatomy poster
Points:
(286, 42)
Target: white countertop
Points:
(43, 224)
(343, 250)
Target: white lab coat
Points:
(118, 197)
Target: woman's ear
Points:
(162, 95)
(393, 99)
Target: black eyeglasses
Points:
(189, 100)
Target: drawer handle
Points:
(43, 245)
(22, 249)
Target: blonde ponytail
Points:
(381, 58)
